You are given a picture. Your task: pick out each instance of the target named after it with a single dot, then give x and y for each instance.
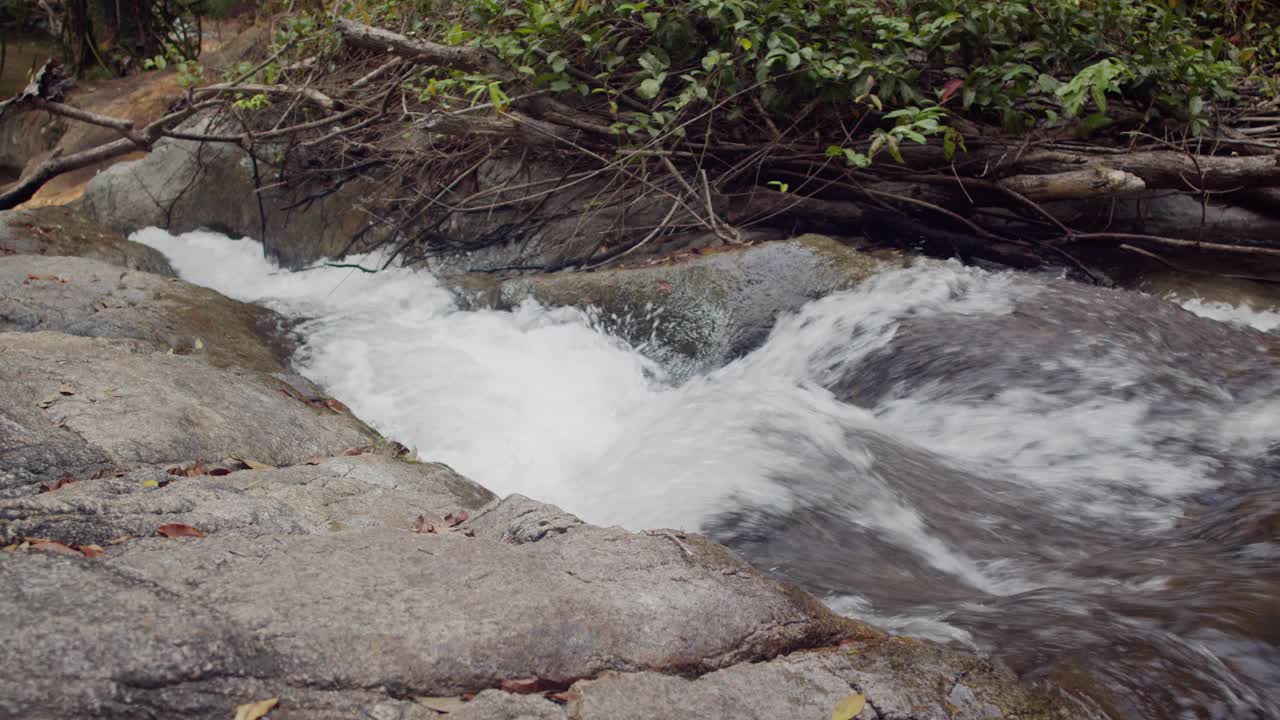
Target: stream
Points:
(1080, 482)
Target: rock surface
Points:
(62, 231)
(337, 493)
(94, 299)
(179, 625)
(704, 310)
(74, 405)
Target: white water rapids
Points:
(541, 402)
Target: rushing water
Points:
(1081, 483)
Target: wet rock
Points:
(704, 310)
(63, 231)
(181, 627)
(182, 186)
(92, 298)
(74, 405)
(338, 493)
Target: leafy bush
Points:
(906, 66)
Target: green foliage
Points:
(870, 74)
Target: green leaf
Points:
(651, 20)
(650, 88)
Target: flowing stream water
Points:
(1082, 484)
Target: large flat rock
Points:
(88, 297)
(371, 616)
(75, 405)
(57, 230)
(323, 495)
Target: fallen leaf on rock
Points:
(456, 519)
(196, 470)
(442, 705)
(256, 710)
(252, 464)
(173, 530)
(53, 546)
(397, 449)
(67, 389)
(150, 484)
(90, 551)
(849, 707)
(60, 482)
(329, 403)
(358, 450)
(120, 540)
(564, 697)
(521, 686)
(664, 286)
(199, 344)
(218, 472)
(422, 525)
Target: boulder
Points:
(701, 311)
(183, 185)
(95, 299)
(357, 622)
(62, 231)
(77, 406)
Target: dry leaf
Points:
(53, 546)
(357, 450)
(60, 482)
(199, 344)
(219, 472)
(521, 686)
(255, 710)
(849, 707)
(422, 525)
(173, 530)
(252, 464)
(90, 551)
(150, 484)
(68, 389)
(196, 470)
(443, 705)
(456, 519)
(119, 540)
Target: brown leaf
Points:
(60, 482)
(521, 686)
(442, 705)
(252, 464)
(456, 519)
(196, 469)
(422, 525)
(67, 389)
(90, 551)
(255, 710)
(219, 471)
(177, 470)
(329, 403)
(53, 546)
(120, 540)
(358, 450)
(173, 530)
